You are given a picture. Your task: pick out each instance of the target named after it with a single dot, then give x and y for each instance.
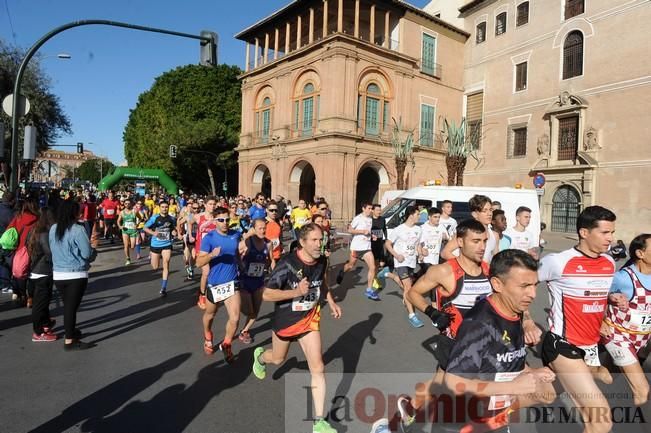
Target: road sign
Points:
(8, 105)
(540, 191)
(539, 180)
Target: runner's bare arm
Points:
(436, 276)
(525, 383)
(272, 261)
(389, 246)
(532, 333)
(204, 258)
(447, 252)
(119, 221)
(276, 295)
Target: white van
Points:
(433, 196)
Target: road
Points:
(148, 372)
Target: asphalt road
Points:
(148, 372)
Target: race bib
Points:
(222, 291)
(129, 225)
(255, 270)
(640, 320)
(110, 211)
(378, 234)
(591, 357)
(301, 221)
(411, 250)
(498, 402)
(307, 302)
(163, 236)
(275, 243)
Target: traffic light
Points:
(208, 48)
(80, 147)
(225, 186)
(172, 151)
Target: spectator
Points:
(23, 223)
(40, 277)
(7, 210)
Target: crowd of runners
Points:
(474, 280)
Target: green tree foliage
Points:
(196, 108)
(93, 170)
(46, 112)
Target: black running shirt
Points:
(289, 271)
(490, 347)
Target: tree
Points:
(461, 142)
(403, 151)
(46, 112)
(92, 170)
(196, 108)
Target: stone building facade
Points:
(324, 82)
(50, 165)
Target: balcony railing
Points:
(434, 70)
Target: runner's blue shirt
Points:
(256, 212)
(224, 267)
(622, 282)
(164, 225)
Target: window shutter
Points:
(429, 54)
(385, 116)
(266, 125)
(426, 125)
(296, 115)
(372, 116)
(308, 106)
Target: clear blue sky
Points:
(111, 66)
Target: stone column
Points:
(371, 35)
(276, 43)
(287, 37)
(298, 33)
(387, 34)
(255, 54)
(266, 48)
(340, 17)
(325, 18)
(248, 57)
(311, 35)
(356, 19)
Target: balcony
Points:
(433, 70)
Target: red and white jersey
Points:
(204, 226)
(578, 290)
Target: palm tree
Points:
(403, 151)
(461, 141)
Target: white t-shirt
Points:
(450, 225)
(491, 244)
(361, 242)
(432, 237)
(405, 239)
(521, 240)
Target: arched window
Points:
(573, 55)
(566, 205)
(372, 110)
(263, 121)
(306, 110)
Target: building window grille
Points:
(481, 32)
(522, 14)
(574, 8)
(573, 55)
(568, 138)
(521, 76)
(500, 24)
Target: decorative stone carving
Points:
(566, 101)
(278, 151)
(591, 140)
(543, 145)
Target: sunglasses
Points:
(272, 210)
(195, 208)
(223, 220)
(323, 208)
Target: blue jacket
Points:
(72, 253)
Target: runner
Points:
(498, 225)
(161, 228)
(488, 357)
(319, 220)
(360, 248)
(274, 229)
(522, 238)
(150, 203)
(205, 224)
(378, 237)
(127, 223)
(298, 286)
(257, 210)
(627, 322)
(299, 217)
(258, 257)
(141, 218)
(480, 208)
(403, 245)
(432, 237)
(220, 251)
(447, 221)
(110, 207)
(186, 227)
(578, 280)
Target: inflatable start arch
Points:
(138, 173)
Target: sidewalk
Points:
(557, 242)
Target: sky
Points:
(110, 66)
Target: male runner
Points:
(481, 210)
(578, 280)
(274, 229)
(432, 237)
(186, 227)
(447, 221)
(127, 223)
(522, 238)
(488, 356)
(498, 225)
(360, 248)
(110, 207)
(628, 320)
(298, 286)
(220, 251)
(403, 245)
(378, 237)
(257, 210)
(205, 225)
(300, 216)
(161, 228)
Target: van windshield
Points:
(394, 213)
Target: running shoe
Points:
(44, 337)
(201, 303)
(259, 369)
(376, 284)
(381, 426)
(245, 337)
(406, 419)
(7, 290)
(163, 293)
(415, 322)
(48, 329)
(208, 347)
(127, 263)
(228, 352)
(322, 426)
(340, 276)
(191, 272)
(372, 294)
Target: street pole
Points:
(13, 179)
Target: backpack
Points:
(20, 263)
(9, 239)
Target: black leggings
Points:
(72, 291)
(41, 288)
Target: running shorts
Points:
(623, 353)
(307, 324)
(209, 293)
(404, 272)
(554, 345)
(158, 250)
(359, 254)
